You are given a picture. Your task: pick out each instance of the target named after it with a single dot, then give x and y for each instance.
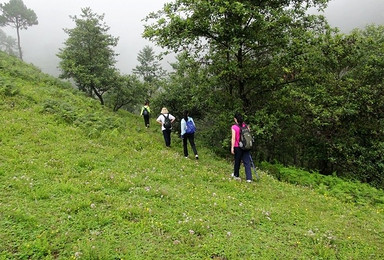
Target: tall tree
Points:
(149, 69)
(17, 15)
(88, 56)
(239, 39)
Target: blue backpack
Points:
(190, 127)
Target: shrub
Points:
(8, 89)
(345, 190)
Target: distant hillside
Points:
(78, 181)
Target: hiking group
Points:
(241, 138)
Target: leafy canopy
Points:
(149, 70)
(88, 56)
(239, 40)
(17, 15)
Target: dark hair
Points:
(146, 102)
(186, 113)
(239, 119)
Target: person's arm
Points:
(159, 121)
(193, 121)
(172, 118)
(141, 112)
(182, 127)
(233, 140)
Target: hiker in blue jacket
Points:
(188, 129)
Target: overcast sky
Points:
(41, 43)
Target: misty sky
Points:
(41, 43)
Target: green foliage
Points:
(127, 93)
(94, 122)
(241, 56)
(345, 190)
(330, 117)
(17, 15)
(88, 57)
(119, 193)
(149, 70)
(240, 41)
(311, 95)
(190, 89)
(8, 89)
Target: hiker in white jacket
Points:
(188, 129)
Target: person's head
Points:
(164, 110)
(239, 119)
(146, 102)
(186, 114)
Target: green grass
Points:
(80, 182)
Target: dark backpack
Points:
(167, 122)
(190, 127)
(145, 112)
(246, 139)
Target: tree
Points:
(313, 96)
(88, 57)
(331, 119)
(8, 44)
(240, 46)
(17, 15)
(127, 93)
(149, 70)
(239, 39)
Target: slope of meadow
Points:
(80, 182)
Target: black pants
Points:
(241, 155)
(146, 120)
(191, 138)
(167, 137)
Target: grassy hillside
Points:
(80, 182)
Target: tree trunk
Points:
(230, 83)
(241, 80)
(99, 96)
(18, 42)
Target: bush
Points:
(345, 190)
(8, 89)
